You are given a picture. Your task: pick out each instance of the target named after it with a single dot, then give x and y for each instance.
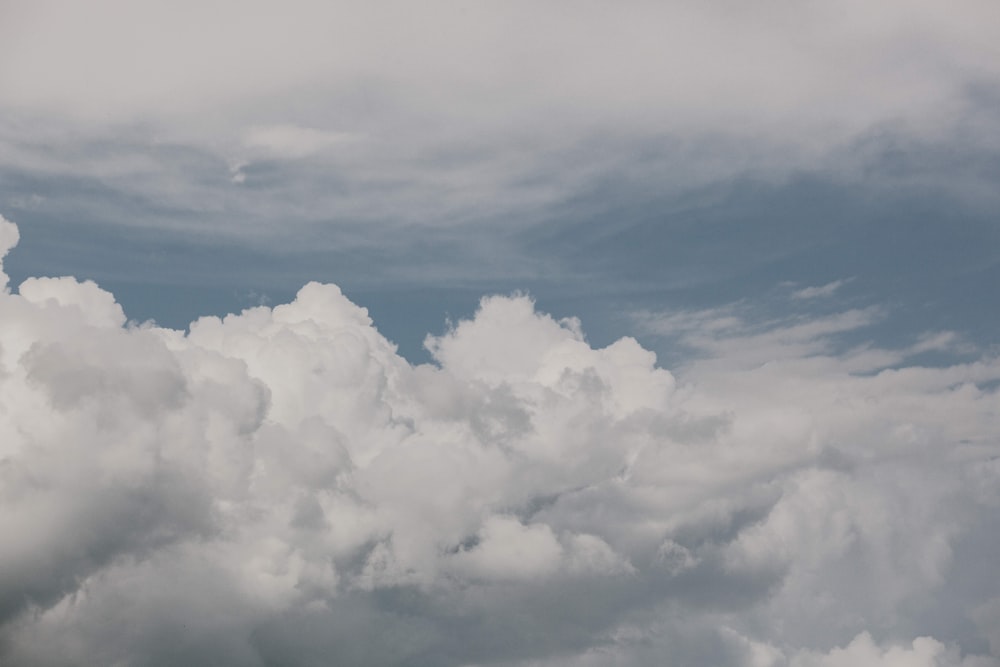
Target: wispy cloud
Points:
(727, 333)
(820, 291)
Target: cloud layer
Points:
(448, 114)
(280, 487)
(498, 60)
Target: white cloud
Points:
(280, 486)
(726, 333)
(820, 291)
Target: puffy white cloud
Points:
(279, 487)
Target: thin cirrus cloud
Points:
(280, 487)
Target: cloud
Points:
(9, 236)
(923, 652)
(505, 112)
(291, 141)
(820, 291)
(728, 334)
(280, 486)
(503, 58)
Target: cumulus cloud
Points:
(281, 487)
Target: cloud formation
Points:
(818, 291)
(501, 111)
(280, 487)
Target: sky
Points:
(500, 333)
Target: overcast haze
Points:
(500, 333)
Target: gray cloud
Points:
(500, 60)
(280, 487)
(230, 118)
